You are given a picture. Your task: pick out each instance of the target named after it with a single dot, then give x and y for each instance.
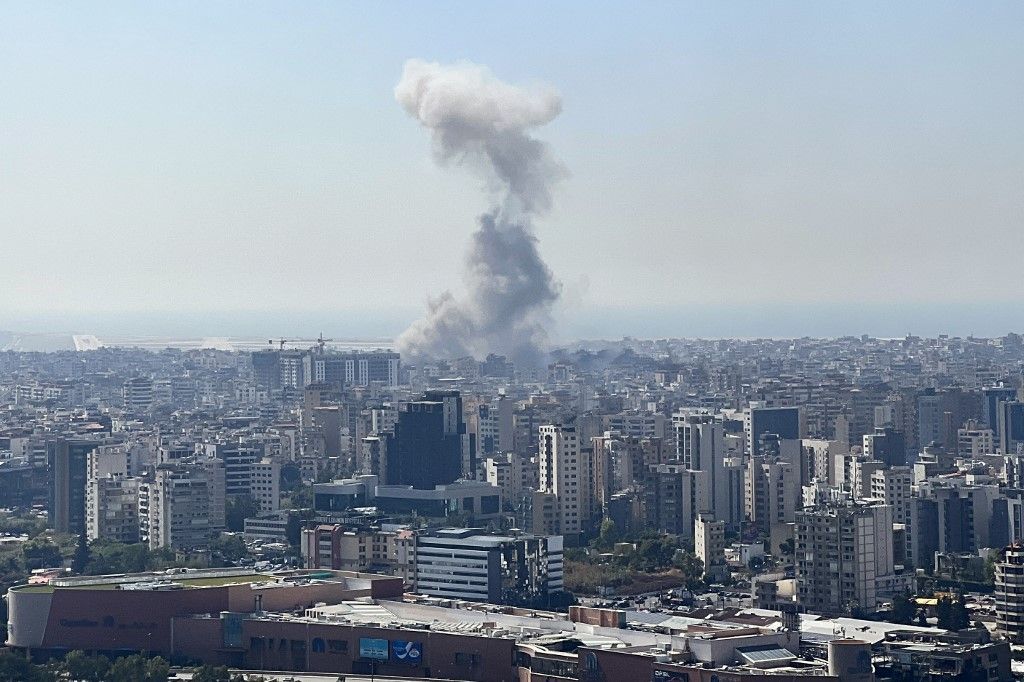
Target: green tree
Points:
(162, 557)
(237, 510)
(211, 673)
(577, 554)
(952, 614)
(903, 609)
(943, 609)
(654, 553)
(80, 666)
(41, 552)
(82, 555)
(691, 567)
(231, 547)
(788, 547)
(138, 668)
(301, 498)
(29, 525)
(157, 669)
(609, 534)
(296, 521)
(128, 669)
(16, 668)
(990, 567)
(107, 556)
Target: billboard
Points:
(406, 652)
(373, 648)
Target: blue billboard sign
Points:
(373, 648)
(406, 652)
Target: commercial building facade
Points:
(473, 565)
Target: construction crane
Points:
(320, 341)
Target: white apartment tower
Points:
(111, 496)
(565, 473)
(266, 484)
(138, 394)
(112, 508)
(974, 441)
(182, 507)
(515, 475)
(1009, 594)
(844, 557)
(709, 545)
(497, 426)
(772, 494)
(701, 447)
(893, 487)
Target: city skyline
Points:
(588, 342)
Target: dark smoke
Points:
(479, 121)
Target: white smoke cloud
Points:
(479, 121)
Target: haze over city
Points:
(731, 169)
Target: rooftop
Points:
(178, 579)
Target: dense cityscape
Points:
(680, 509)
(511, 342)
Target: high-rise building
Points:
(265, 369)
(709, 546)
(885, 445)
(430, 446)
(266, 484)
(342, 548)
(941, 414)
(923, 542)
(374, 456)
(964, 516)
(352, 368)
(138, 394)
(515, 475)
(785, 422)
(1010, 426)
(843, 557)
(992, 396)
(181, 506)
(284, 368)
(818, 459)
(564, 472)
(496, 426)
(670, 501)
(893, 487)
(621, 462)
(635, 424)
(1009, 594)
(773, 494)
(497, 366)
(701, 447)
(67, 464)
(472, 565)
(112, 508)
(239, 458)
(974, 440)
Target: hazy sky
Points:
(206, 157)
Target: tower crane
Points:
(320, 341)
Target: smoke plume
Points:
(481, 122)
